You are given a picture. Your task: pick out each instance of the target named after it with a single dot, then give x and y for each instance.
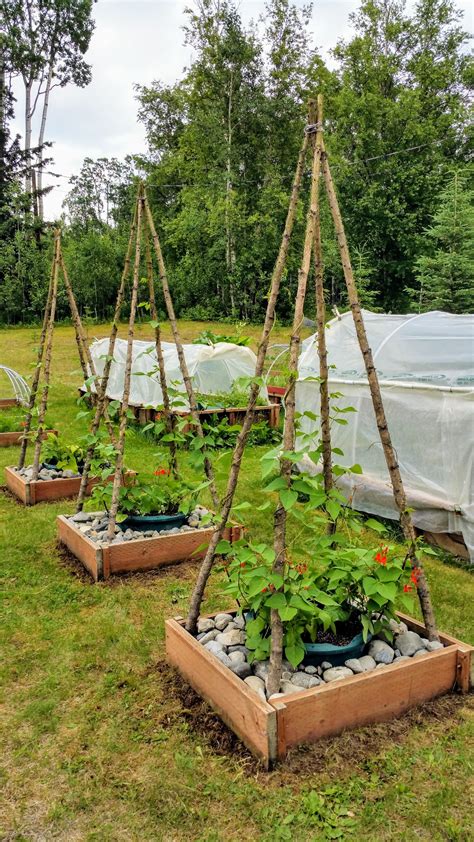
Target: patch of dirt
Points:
(184, 570)
(338, 755)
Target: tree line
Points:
(222, 146)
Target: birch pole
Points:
(39, 363)
(380, 417)
(169, 417)
(127, 377)
(47, 361)
(228, 499)
(289, 434)
(78, 329)
(321, 332)
(102, 386)
(179, 348)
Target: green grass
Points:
(99, 742)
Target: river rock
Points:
(208, 636)
(243, 670)
(425, 642)
(221, 620)
(397, 628)
(364, 664)
(433, 645)
(335, 673)
(213, 646)
(301, 679)
(239, 621)
(310, 670)
(381, 652)
(231, 638)
(237, 657)
(255, 683)
(326, 665)
(204, 624)
(239, 649)
(193, 522)
(261, 669)
(420, 652)
(408, 643)
(287, 687)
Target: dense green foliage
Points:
(222, 148)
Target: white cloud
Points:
(137, 41)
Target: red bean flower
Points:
(161, 472)
(381, 557)
(407, 588)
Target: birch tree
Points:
(45, 42)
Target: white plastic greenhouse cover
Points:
(425, 365)
(213, 368)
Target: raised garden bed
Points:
(7, 403)
(271, 727)
(130, 554)
(30, 493)
(276, 393)
(11, 438)
(235, 415)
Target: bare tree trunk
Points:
(127, 376)
(385, 438)
(41, 142)
(101, 387)
(47, 362)
(228, 499)
(179, 348)
(28, 185)
(39, 363)
(321, 334)
(230, 242)
(289, 432)
(169, 416)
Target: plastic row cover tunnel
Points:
(213, 368)
(425, 366)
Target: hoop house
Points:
(18, 392)
(425, 365)
(213, 368)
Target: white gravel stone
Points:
(255, 683)
(408, 643)
(381, 652)
(221, 620)
(358, 665)
(234, 637)
(433, 645)
(204, 624)
(336, 673)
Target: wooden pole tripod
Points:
(43, 364)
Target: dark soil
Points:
(345, 632)
(339, 755)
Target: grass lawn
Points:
(99, 739)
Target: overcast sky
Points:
(137, 41)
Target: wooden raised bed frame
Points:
(235, 414)
(270, 729)
(15, 437)
(6, 403)
(31, 493)
(137, 554)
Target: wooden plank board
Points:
(252, 719)
(82, 547)
(41, 491)
(12, 438)
(148, 553)
(370, 697)
(6, 403)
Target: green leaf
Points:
(288, 498)
(375, 525)
(294, 653)
(355, 469)
(276, 600)
(287, 613)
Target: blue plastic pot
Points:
(145, 523)
(316, 653)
